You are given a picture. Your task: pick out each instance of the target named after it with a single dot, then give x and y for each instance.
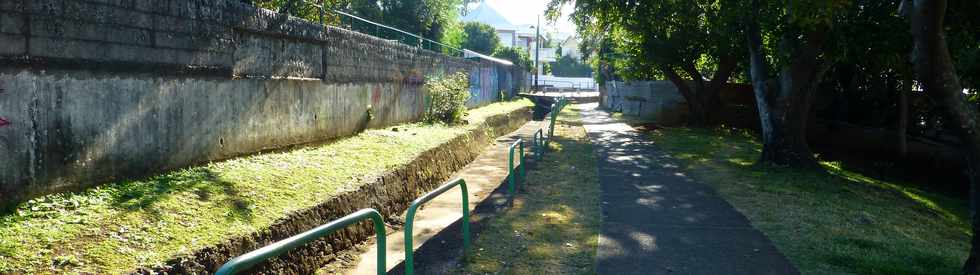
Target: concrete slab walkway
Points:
(485, 174)
(657, 220)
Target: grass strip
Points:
(553, 228)
(840, 222)
(119, 226)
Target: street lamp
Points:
(537, 50)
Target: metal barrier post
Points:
(539, 144)
(510, 165)
(554, 115)
(410, 217)
(250, 259)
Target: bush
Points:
(447, 98)
(569, 67)
(516, 55)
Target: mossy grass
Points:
(833, 222)
(120, 226)
(553, 227)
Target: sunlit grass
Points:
(833, 222)
(552, 228)
(120, 226)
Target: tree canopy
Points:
(910, 66)
(518, 56)
(481, 38)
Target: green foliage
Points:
(454, 36)
(638, 48)
(447, 98)
(432, 19)
(481, 38)
(569, 67)
(518, 56)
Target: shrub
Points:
(447, 98)
(516, 55)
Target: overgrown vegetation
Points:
(839, 222)
(515, 55)
(447, 98)
(117, 227)
(566, 66)
(553, 228)
(437, 20)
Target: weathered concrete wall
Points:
(658, 100)
(69, 131)
(102, 90)
(662, 102)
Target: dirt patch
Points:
(390, 194)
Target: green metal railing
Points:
(551, 125)
(250, 259)
(310, 10)
(512, 178)
(555, 109)
(538, 140)
(410, 217)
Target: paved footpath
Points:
(657, 220)
(485, 174)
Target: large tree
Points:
(799, 32)
(936, 71)
(694, 44)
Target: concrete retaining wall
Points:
(658, 100)
(96, 90)
(663, 103)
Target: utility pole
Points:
(537, 49)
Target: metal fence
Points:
(346, 20)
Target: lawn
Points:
(120, 226)
(839, 222)
(553, 228)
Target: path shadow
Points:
(656, 219)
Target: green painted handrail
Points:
(551, 127)
(510, 166)
(539, 148)
(410, 217)
(250, 259)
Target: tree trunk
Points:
(934, 66)
(703, 99)
(784, 108)
(699, 113)
(903, 114)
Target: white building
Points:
(569, 47)
(511, 35)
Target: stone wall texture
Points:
(658, 100)
(98, 90)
